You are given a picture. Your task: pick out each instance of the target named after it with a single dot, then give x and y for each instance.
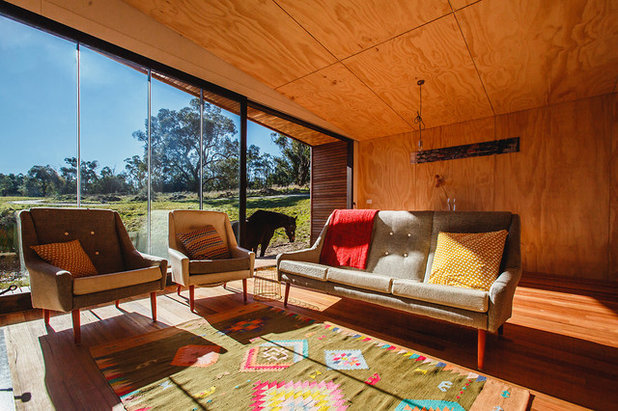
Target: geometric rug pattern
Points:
(263, 358)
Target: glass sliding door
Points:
(38, 136)
(113, 151)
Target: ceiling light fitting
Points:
(419, 119)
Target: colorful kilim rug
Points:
(264, 358)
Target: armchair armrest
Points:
(180, 266)
(239, 252)
(154, 261)
(51, 287)
(501, 296)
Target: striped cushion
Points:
(204, 244)
(69, 256)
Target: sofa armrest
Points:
(311, 255)
(180, 266)
(239, 252)
(501, 296)
(51, 287)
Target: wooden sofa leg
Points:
(244, 290)
(178, 289)
(46, 316)
(482, 334)
(153, 305)
(192, 298)
(118, 304)
(77, 333)
(287, 294)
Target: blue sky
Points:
(38, 103)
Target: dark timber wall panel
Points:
(329, 183)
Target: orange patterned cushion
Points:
(470, 260)
(69, 256)
(204, 244)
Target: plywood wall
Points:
(563, 182)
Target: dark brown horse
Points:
(261, 227)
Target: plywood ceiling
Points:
(355, 63)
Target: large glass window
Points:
(38, 106)
(63, 103)
(113, 147)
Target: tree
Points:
(175, 147)
(10, 184)
(259, 167)
(296, 161)
(41, 181)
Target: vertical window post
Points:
(78, 166)
(242, 186)
(149, 160)
(201, 149)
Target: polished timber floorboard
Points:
(562, 345)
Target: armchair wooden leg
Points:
(46, 316)
(244, 290)
(481, 349)
(287, 294)
(77, 334)
(153, 305)
(225, 286)
(178, 289)
(192, 298)
(118, 304)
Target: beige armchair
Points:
(122, 270)
(189, 273)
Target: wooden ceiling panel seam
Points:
(295, 51)
(532, 54)
(421, 15)
(436, 53)
(376, 94)
(478, 73)
(305, 29)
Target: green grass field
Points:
(294, 203)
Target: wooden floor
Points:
(563, 346)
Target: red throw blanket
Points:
(347, 238)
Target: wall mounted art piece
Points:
(486, 148)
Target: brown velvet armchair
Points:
(189, 273)
(122, 270)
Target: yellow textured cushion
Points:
(69, 256)
(470, 260)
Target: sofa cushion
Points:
(218, 266)
(104, 282)
(360, 279)
(305, 269)
(465, 222)
(69, 256)
(400, 244)
(469, 260)
(466, 298)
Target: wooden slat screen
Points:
(329, 183)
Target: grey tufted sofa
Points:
(399, 263)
